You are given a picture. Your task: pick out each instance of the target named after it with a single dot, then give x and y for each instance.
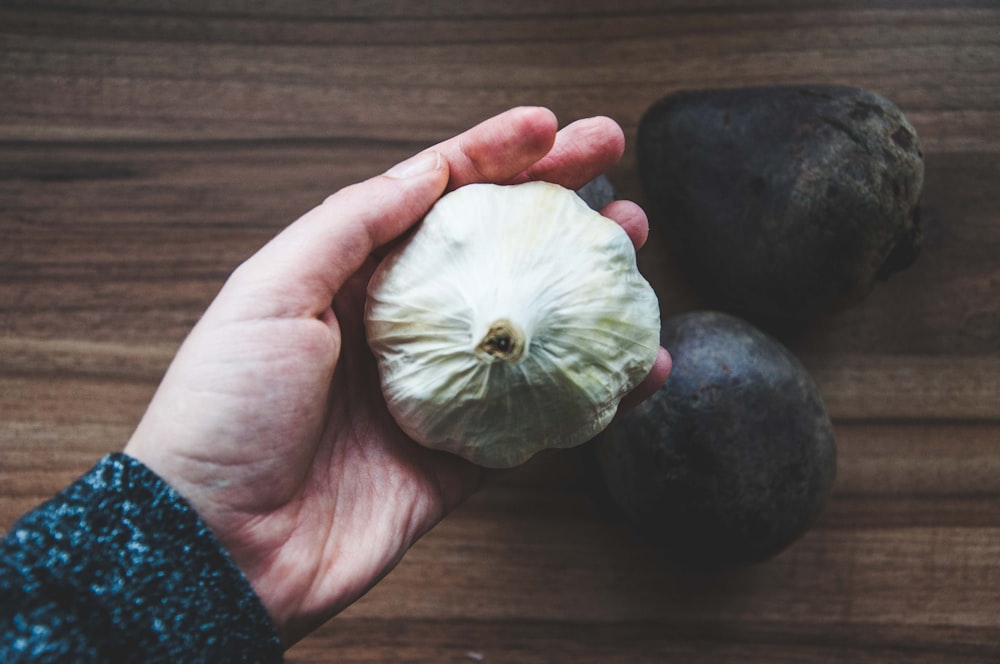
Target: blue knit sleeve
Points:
(118, 567)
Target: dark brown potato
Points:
(598, 192)
(783, 202)
(733, 458)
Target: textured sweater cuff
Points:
(119, 567)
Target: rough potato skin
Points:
(733, 458)
(598, 192)
(783, 202)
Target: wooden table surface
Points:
(149, 147)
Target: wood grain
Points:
(146, 149)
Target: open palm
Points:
(270, 421)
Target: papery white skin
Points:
(536, 255)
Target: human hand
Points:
(270, 420)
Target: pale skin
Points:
(270, 421)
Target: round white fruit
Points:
(514, 319)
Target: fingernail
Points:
(415, 165)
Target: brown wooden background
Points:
(146, 148)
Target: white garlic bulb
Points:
(514, 319)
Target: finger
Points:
(631, 218)
(582, 151)
(654, 380)
(499, 148)
(300, 270)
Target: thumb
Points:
(299, 271)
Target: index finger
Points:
(498, 149)
(525, 143)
